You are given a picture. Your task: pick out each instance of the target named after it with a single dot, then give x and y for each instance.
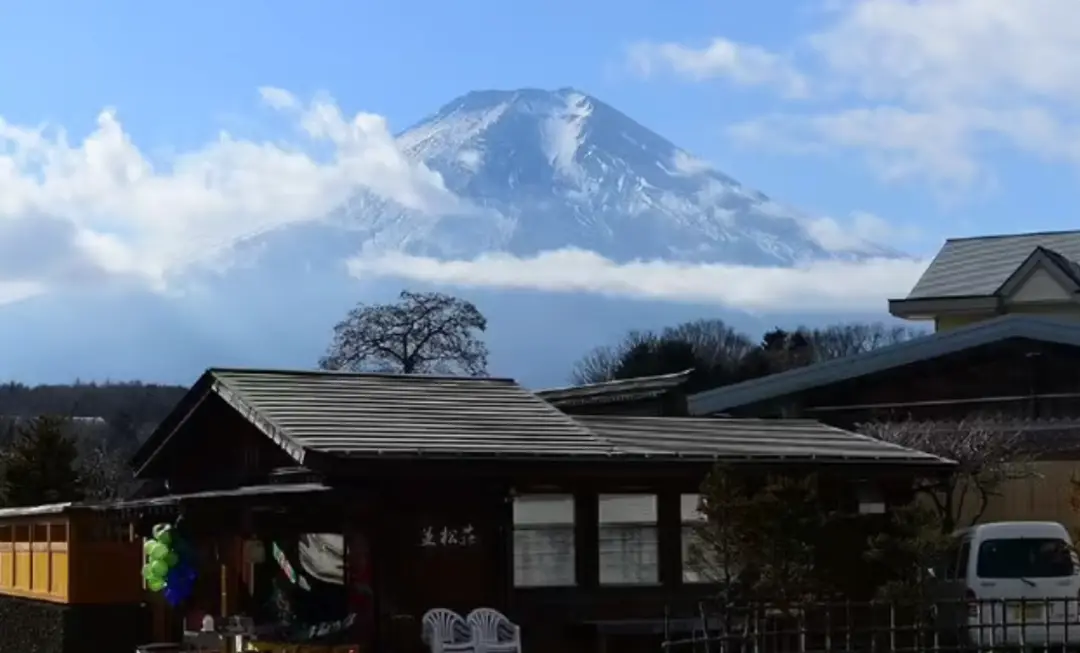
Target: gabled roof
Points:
(969, 267)
(383, 415)
(394, 416)
(619, 390)
(1065, 271)
(749, 440)
(1045, 329)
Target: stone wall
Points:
(29, 626)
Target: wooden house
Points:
(460, 493)
(336, 509)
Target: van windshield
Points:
(1025, 557)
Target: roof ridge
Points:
(1061, 232)
(341, 373)
(599, 384)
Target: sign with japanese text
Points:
(446, 536)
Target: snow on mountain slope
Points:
(545, 170)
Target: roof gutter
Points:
(930, 307)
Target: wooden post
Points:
(224, 590)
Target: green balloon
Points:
(172, 559)
(147, 572)
(159, 569)
(155, 584)
(165, 537)
(159, 551)
(148, 545)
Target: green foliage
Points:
(912, 543)
(763, 541)
(40, 466)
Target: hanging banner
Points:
(286, 567)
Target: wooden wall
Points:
(67, 558)
(34, 559)
(1045, 496)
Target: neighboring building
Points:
(975, 279)
(1006, 311)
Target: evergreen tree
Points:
(41, 464)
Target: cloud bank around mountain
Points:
(918, 88)
(821, 287)
(99, 210)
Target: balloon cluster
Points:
(168, 567)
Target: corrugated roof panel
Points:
(740, 439)
(620, 389)
(373, 414)
(978, 266)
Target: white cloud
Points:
(862, 228)
(921, 87)
(817, 287)
(745, 65)
(75, 212)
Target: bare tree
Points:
(713, 341)
(839, 340)
(423, 333)
(989, 452)
(602, 363)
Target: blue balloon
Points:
(172, 596)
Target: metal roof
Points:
(382, 414)
(967, 267)
(644, 387)
(1044, 329)
(748, 440)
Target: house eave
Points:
(926, 308)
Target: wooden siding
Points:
(69, 558)
(34, 559)
(1045, 496)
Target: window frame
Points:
(651, 528)
(569, 527)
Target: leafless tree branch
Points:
(988, 451)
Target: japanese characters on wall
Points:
(448, 536)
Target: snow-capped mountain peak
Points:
(547, 170)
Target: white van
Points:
(1013, 583)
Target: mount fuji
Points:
(530, 171)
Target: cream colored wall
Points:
(947, 322)
(1040, 287)
(1046, 496)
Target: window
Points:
(544, 540)
(692, 566)
(962, 560)
(627, 539)
(1034, 557)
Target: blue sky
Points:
(951, 118)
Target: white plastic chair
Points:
(444, 631)
(494, 633)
